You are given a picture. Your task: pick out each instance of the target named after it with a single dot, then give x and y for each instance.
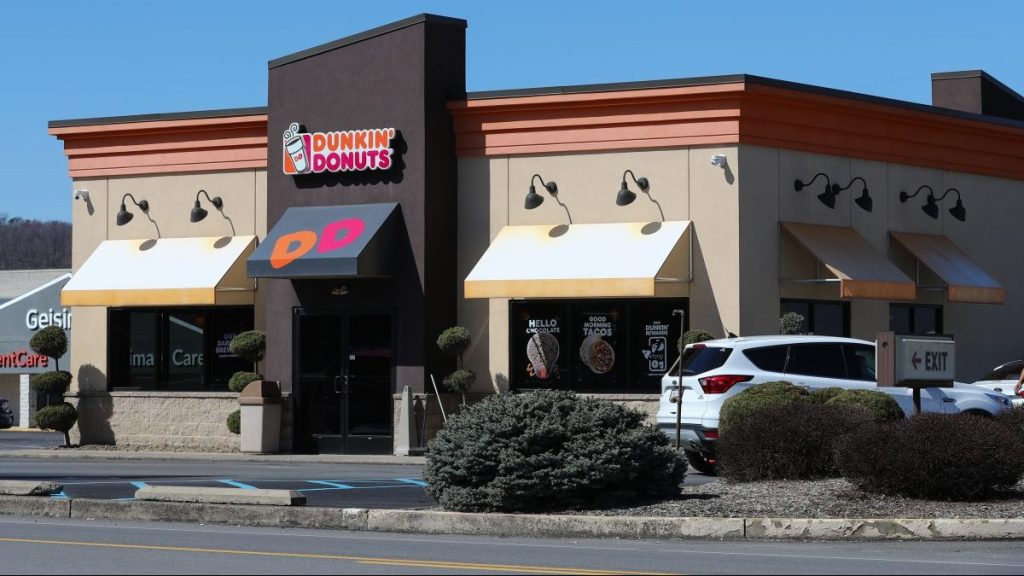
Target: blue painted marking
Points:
(337, 485)
(413, 481)
(59, 495)
(241, 485)
(139, 484)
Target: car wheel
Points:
(701, 463)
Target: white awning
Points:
(585, 260)
(164, 272)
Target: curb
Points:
(215, 457)
(19, 429)
(519, 525)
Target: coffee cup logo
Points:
(339, 151)
(295, 150)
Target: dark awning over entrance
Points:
(328, 241)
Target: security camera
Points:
(81, 195)
(719, 160)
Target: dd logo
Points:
(334, 236)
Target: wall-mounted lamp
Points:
(828, 197)
(626, 196)
(931, 206)
(719, 160)
(124, 216)
(533, 199)
(198, 212)
(864, 200)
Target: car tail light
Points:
(711, 434)
(720, 384)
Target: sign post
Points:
(679, 391)
(915, 361)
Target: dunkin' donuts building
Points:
(564, 226)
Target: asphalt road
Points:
(33, 546)
(29, 440)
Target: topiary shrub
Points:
(792, 441)
(50, 341)
(746, 403)
(55, 383)
(792, 323)
(933, 456)
(1013, 420)
(455, 341)
(547, 450)
(59, 418)
(250, 345)
(239, 380)
(883, 407)
(823, 395)
(235, 422)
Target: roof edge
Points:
(366, 35)
(189, 115)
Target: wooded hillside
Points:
(34, 244)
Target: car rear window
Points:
(769, 358)
(700, 359)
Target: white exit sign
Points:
(927, 360)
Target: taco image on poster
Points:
(597, 354)
(542, 350)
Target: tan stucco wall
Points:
(986, 334)
(492, 193)
(170, 198)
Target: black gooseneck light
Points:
(828, 197)
(931, 204)
(864, 200)
(198, 212)
(124, 216)
(533, 199)
(625, 197)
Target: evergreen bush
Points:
(883, 407)
(239, 380)
(793, 441)
(50, 341)
(55, 383)
(823, 395)
(549, 450)
(933, 456)
(59, 418)
(743, 405)
(235, 422)
(791, 323)
(250, 345)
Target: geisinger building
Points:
(374, 203)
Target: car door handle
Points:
(949, 400)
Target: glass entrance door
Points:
(344, 374)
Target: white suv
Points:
(716, 370)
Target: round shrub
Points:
(791, 323)
(792, 441)
(454, 341)
(251, 345)
(239, 380)
(459, 381)
(933, 456)
(235, 422)
(746, 403)
(1013, 420)
(59, 418)
(548, 450)
(50, 341)
(823, 395)
(883, 407)
(697, 336)
(55, 382)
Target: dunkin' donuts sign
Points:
(342, 151)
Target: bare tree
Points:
(34, 244)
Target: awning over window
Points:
(862, 271)
(163, 272)
(329, 241)
(965, 281)
(584, 260)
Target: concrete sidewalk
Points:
(520, 525)
(57, 454)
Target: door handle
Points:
(947, 399)
(343, 380)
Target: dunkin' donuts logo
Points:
(336, 235)
(343, 151)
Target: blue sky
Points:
(63, 59)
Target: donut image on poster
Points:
(542, 351)
(597, 354)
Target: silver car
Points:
(1003, 379)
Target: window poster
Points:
(599, 334)
(654, 343)
(539, 340)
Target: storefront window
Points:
(915, 319)
(175, 349)
(593, 345)
(821, 317)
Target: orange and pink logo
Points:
(342, 151)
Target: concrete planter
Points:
(261, 417)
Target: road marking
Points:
(413, 481)
(308, 556)
(139, 484)
(337, 485)
(241, 485)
